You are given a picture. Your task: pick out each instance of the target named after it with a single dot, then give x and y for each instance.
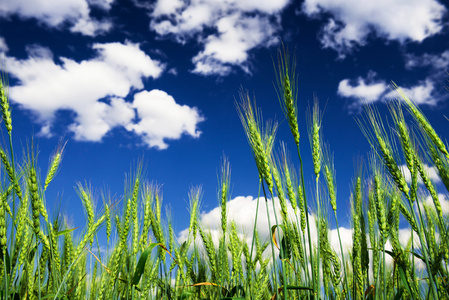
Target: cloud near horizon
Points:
(95, 90)
(227, 30)
(242, 210)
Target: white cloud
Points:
(91, 27)
(167, 7)
(3, 46)
(444, 202)
(234, 28)
(235, 38)
(56, 13)
(420, 93)
(430, 171)
(351, 21)
(366, 92)
(45, 131)
(46, 87)
(346, 235)
(103, 4)
(437, 62)
(95, 89)
(242, 210)
(162, 118)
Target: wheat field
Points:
(142, 258)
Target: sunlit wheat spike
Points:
(298, 249)
(394, 222)
(88, 236)
(302, 208)
(210, 250)
(55, 162)
(314, 122)
(171, 233)
(7, 165)
(430, 186)
(408, 216)
(26, 239)
(324, 247)
(372, 218)
(430, 228)
(4, 197)
(441, 163)
(86, 198)
(235, 252)
(260, 141)
(148, 200)
(195, 200)
(279, 189)
(381, 143)
(329, 175)
(10, 171)
(126, 220)
(29, 266)
(54, 228)
(135, 231)
(21, 220)
(423, 122)
(2, 228)
(35, 201)
(357, 237)
(287, 89)
(156, 225)
(224, 192)
(379, 197)
(403, 132)
(289, 177)
(4, 102)
(107, 213)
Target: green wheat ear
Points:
(423, 122)
(261, 140)
(314, 122)
(287, 90)
(195, 203)
(4, 102)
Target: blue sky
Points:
(121, 81)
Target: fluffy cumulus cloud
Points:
(228, 30)
(369, 90)
(94, 89)
(436, 62)
(242, 210)
(430, 171)
(160, 117)
(56, 13)
(423, 93)
(351, 21)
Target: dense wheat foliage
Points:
(139, 255)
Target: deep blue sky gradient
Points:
(188, 161)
